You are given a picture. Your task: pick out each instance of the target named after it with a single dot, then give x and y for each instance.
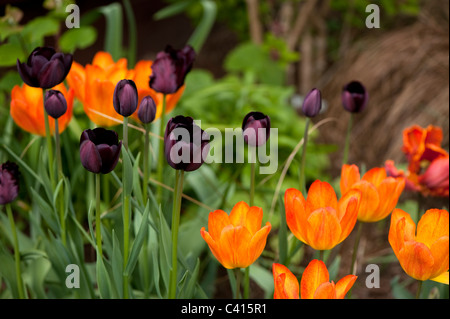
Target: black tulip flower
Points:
(125, 98)
(45, 67)
(147, 110)
(9, 182)
(354, 97)
(312, 103)
(186, 145)
(170, 69)
(256, 128)
(55, 103)
(99, 150)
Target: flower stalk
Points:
(16, 252)
(161, 149)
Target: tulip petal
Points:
(314, 274)
(326, 290)
(254, 219)
(286, 284)
(416, 260)
(389, 191)
(433, 225)
(375, 176)
(217, 221)
(234, 243)
(402, 229)
(348, 207)
(258, 242)
(213, 246)
(90, 157)
(442, 278)
(238, 214)
(320, 194)
(344, 285)
(349, 176)
(323, 228)
(369, 200)
(440, 252)
(296, 215)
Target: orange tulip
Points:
(422, 144)
(315, 283)
(236, 240)
(286, 284)
(379, 193)
(321, 221)
(27, 109)
(94, 86)
(423, 254)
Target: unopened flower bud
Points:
(125, 98)
(55, 103)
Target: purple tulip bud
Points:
(99, 150)
(9, 182)
(170, 69)
(185, 144)
(256, 128)
(55, 103)
(45, 68)
(312, 103)
(125, 98)
(147, 110)
(354, 97)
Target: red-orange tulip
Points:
(27, 109)
(321, 221)
(315, 283)
(94, 86)
(379, 193)
(285, 283)
(423, 254)
(236, 240)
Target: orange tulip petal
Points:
(440, 252)
(238, 214)
(234, 244)
(375, 176)
(254, 219)
(416, 260)
(258, 242)
(344, 285)
(326, 290)
(389, 191)
(286, 284)
(442, 278)
(349, 176)
(320, 194)
(213, 246)
(369, 200)
(103, 59)
(314, 274)
(402, 229)
(433, 225)
(217, 221)
(348, 207)
(323, 229)
(296, 216)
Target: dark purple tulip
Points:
(125, 98)
(170, 69)
(55, 103)
(256, 128)
(354, 97)
(185, 144)
(147, 110)
(9, 182)
(99, 150)
(45, 68)
(312, 103)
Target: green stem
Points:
(247, 282)
(49, 149)
(98, 229)
(303, 160)
(252, 177)
(237, 272)
(176, 208)
(355, 247)
(16, 252)
(125, 132)
(347, 139)
(321, 253)
(419, 288)
(161, 149)
(146, 164)
(60, 176)
(126, 241)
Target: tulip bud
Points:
(45, 68)
(185, 144)
(256, 128)
(125, 98)
(9, 182)
(354, 97)
(312, 103)
(170, 69)
(55, 103)
(99, 150)
(147, 110)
